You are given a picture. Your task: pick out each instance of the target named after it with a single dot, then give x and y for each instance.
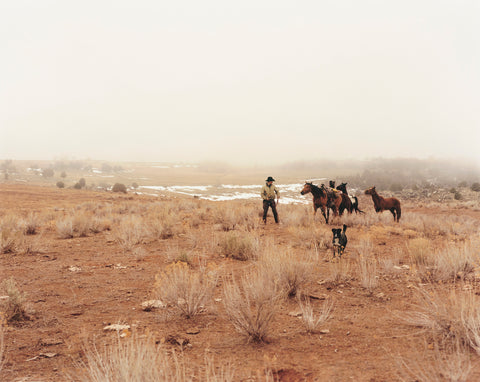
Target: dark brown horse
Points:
(353, 199)
(320, 198)
(382, 204)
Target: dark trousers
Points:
(270, 203)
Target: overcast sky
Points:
(244, 81)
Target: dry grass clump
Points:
(239, 245)
(437, 362)
(298, 216)
(367, 265)
(310, 320)
(311, 237)
(129, 232)
(455, 316)
(184, 288)
(455, 262)
(11, 235)
(132, 360)
(449, 225)
(290, 272)
(12, 309)
(252, 303)
(339, 272)
(420, 251)
(65, 228)
(31, 224)
(140, 359)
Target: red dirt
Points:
(70, 308)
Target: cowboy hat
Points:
(270, 179)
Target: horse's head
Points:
(342, 187)
(306, 188)
(371, 191)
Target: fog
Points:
(249, 83)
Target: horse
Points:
(320, 199)
(353, 199)
(335, 201)
(382, 204)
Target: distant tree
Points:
(457, 196)
(77, 186)
(396, 187)
(63, 174)
(82, 182)
(463, 184)
(475, 187)
(48, 172)
(134, 185)
(60, 184)
(119, 187)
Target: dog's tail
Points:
(344, 228)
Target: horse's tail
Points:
(356, 206)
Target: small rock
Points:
(153, 304)
(218, 299)
(295, 314)
(324, 331)
(74, 268)
(116, 327)
(322, 296)
(380, 295)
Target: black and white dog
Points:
(339, 240)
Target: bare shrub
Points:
(184, 288)
(239, 245)
(129, 232)
(252, 303)
(290, 272)
(13, 308)
(367, 265)
(309, 319)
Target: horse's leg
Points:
(392, 210)
(326, 216)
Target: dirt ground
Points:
(75, 287)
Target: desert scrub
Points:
(129, 232)
(12, 308)
(186, 289)
(252, 303)
(310, 320)
(290, 272)
(339, 271)
(239, 245)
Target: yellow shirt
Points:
(268, 192)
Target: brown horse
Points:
(382, 204)
(335, 201)
(320, 198)
(353, 199)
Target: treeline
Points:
(395, 174)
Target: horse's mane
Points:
(315, 189)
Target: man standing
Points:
(268, 194)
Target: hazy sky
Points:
(244, 81)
